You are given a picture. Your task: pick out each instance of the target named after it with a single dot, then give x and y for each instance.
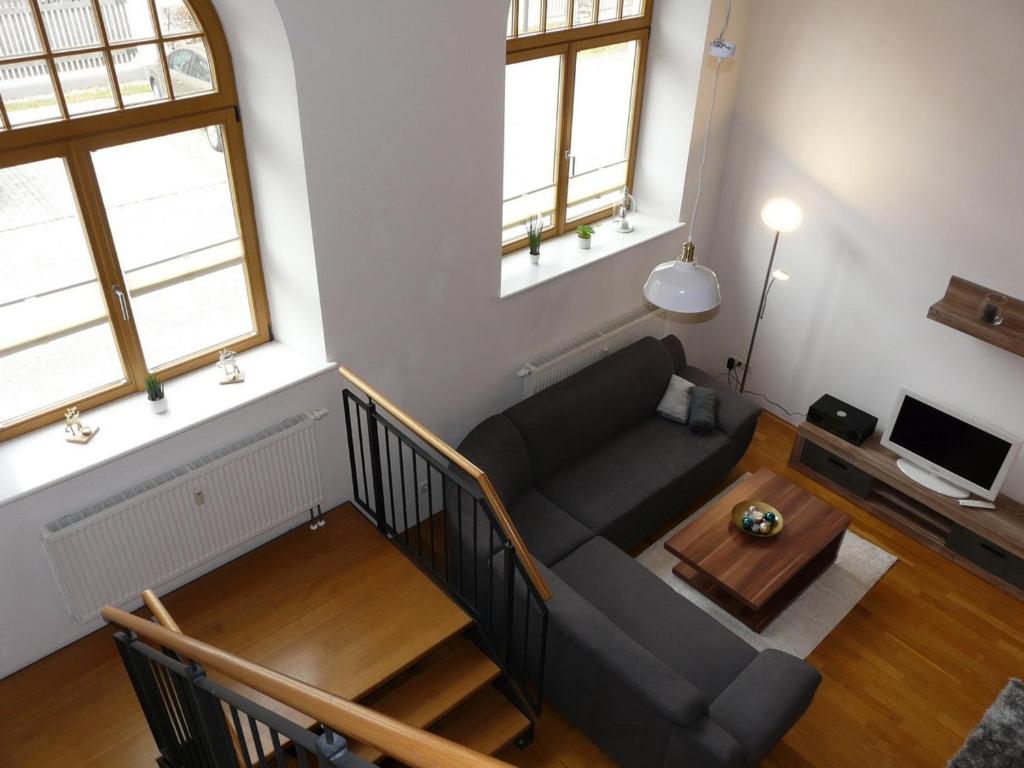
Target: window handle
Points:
(572, 161)
(122, 300)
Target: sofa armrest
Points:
(624, 698)
(735, 414)
(765, 700)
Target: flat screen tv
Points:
(947, 450)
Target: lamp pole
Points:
(760, 312)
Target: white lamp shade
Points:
(782, 215)
(681, 286)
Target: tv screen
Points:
(943, 439)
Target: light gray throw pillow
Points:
(675, 403)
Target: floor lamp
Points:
(780, 215)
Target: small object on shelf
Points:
(962, 308)
(228, 363)
(625, 206)
(155, 394)
(77, 431)
(752, 517)
(584, 232)
(976, 504)
(993, 309)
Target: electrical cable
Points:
(780, 407)
(707, 128)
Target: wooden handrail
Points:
(466, 466)
(160, 613)
(409, 745)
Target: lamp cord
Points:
(733, 382)
(707, 126)
(704, 151)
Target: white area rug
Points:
(814, 614)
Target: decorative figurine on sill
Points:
(228, 363)
(77, 431)
(625, 206)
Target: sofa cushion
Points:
(675, 403)
(639, 479)
(735, 414)
(702, 410)
(570, 418)
(498, 449)
(550, 534)
(669, 626)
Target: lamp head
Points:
(782, 215)
(683, 285)
(780, 274)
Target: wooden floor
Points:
(906, 675)
(341, 609)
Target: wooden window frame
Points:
(74, 138)
(568, 43)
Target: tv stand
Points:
(989, 543)
(930, 480)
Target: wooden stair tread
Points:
(485, 723)
(443, 681)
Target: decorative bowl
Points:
(759, 513)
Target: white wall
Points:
(401, 112)
(262, 60)
(898, 127)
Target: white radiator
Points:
(558, 364)
(148, 535)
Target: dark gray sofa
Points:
(586, 469)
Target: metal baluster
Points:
(430, 518)
(405, 502)
(278, 752)
(416, 501)
(391, 476)
(373, 437)
(241, 738)
(362, 454)
(257, 742)
(349, 403)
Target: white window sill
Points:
(43, 457)
(561, 255)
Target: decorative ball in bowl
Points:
(757, 518)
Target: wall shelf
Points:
(959, 309)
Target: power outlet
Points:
(734, 363)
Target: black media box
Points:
(839, 418)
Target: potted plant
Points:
(534, 228)
(583, 234)
(155, 394)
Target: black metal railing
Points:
(198, 723)
(440, 518)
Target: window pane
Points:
(18, 35)
(608, 10)
(189, 66)
(601, 121)
(175, 17)
(558, 14)
(139, 74)
(70, 25)
(171, 212)
(632, 8)
(27, 92)
(529, 17)
(583, 12)
(127, 20)
(531, 140)
(56, 343)
(85, 81)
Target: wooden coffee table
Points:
(754, 579)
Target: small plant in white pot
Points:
(155, 394)
(584, 232)
(534, 229)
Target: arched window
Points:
(127, 237)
